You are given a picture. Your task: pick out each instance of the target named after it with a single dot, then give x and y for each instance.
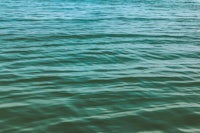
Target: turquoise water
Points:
(84, 66)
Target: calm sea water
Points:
(104, 66)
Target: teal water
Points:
(104, 66)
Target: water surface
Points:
(104, 66)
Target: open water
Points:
(99, 66)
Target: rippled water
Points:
(84, 66)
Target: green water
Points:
(115, 66)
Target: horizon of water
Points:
(83, 66)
